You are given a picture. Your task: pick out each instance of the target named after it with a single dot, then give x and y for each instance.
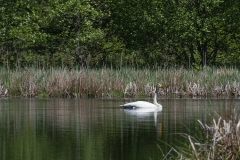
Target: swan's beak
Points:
(160, 86)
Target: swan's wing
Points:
(138, 104)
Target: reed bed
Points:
(124, 82)
(221, 140)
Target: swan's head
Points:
(159, 85)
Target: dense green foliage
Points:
(119, 33)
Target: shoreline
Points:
(116, 83)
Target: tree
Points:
(189, 33)
(203, 30)
(139, 24)
(48, 27)
(140, 33)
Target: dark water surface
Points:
(89, 129)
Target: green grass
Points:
(105, 82)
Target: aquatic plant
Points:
(3, 91)
(221, 141)
(122, 82)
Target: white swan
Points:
(143, 104)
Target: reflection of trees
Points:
(70, 129)
(88, 129)
(23, 133)
(39, 129)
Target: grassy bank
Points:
(128, 82)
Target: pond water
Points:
(90, 129)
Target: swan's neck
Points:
(155, 99)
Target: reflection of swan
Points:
(147, 112)
(143, 104)
(142, 112)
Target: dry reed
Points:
(222, 141)
(3, 91)
(124, 82)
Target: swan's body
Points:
(143, 104)
(143, 111)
